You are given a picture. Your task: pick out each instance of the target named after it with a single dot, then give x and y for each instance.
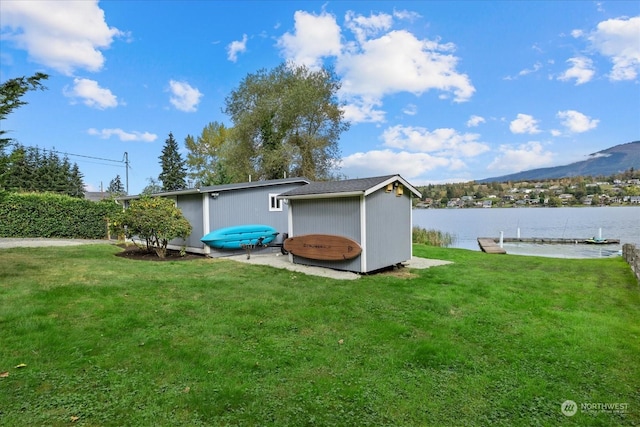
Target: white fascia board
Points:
(363, 233)
(165, 194)
(323, 195)
(392, 180)
(289, 228)
(205, 220)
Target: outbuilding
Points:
(214, 207)
(375, 213)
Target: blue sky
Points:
(436, 91)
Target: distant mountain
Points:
(603, 163)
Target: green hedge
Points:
(53, 215)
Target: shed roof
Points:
(345, 188)
(225, 187)
(255, 184)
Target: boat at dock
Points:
(600, 241)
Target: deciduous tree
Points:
(204, 160)
(286, 121)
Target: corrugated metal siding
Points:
(249, 206)
(191, 207)
(339, 216)
(388, 220)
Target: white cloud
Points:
(378, 62)
(364, 110)
(236, 47)
(92, 94)
(314, 37)
(410, 110)
(522, 157)
(537, 66)
(581, 70)
(365, 27)
(63, 35)
(524, 123)
(414, 151)
(577, 33)
(443, 141)
(617, 39)
(576, 122)
(399, 62)
(122, 135)
(183, 96)
(406, 14)
(380, 162)
(474, 121)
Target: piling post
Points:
(501, 238)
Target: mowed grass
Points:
(489, 339)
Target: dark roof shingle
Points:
(349, 186)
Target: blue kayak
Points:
(240, 236)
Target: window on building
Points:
(275, 204)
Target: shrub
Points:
(53, 215)
(432, 237)
(155, 220)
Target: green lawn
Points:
(489, 339)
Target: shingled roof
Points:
(225, 187)
(348, 187)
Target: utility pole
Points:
(126, 173)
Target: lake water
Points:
(466, 225)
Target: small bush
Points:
(155, 220)
(432, 237)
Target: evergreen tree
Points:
(28, 169)
(76, 182)
(11, 92)
(115, 186)
(16, 169)
(174, 171)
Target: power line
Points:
(125, 160)
(72, 154)
(82, 155)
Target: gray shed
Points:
(374, 212)
(218, 206)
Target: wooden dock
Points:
(490, 246)
(558, 240)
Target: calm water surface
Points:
(466, 225)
